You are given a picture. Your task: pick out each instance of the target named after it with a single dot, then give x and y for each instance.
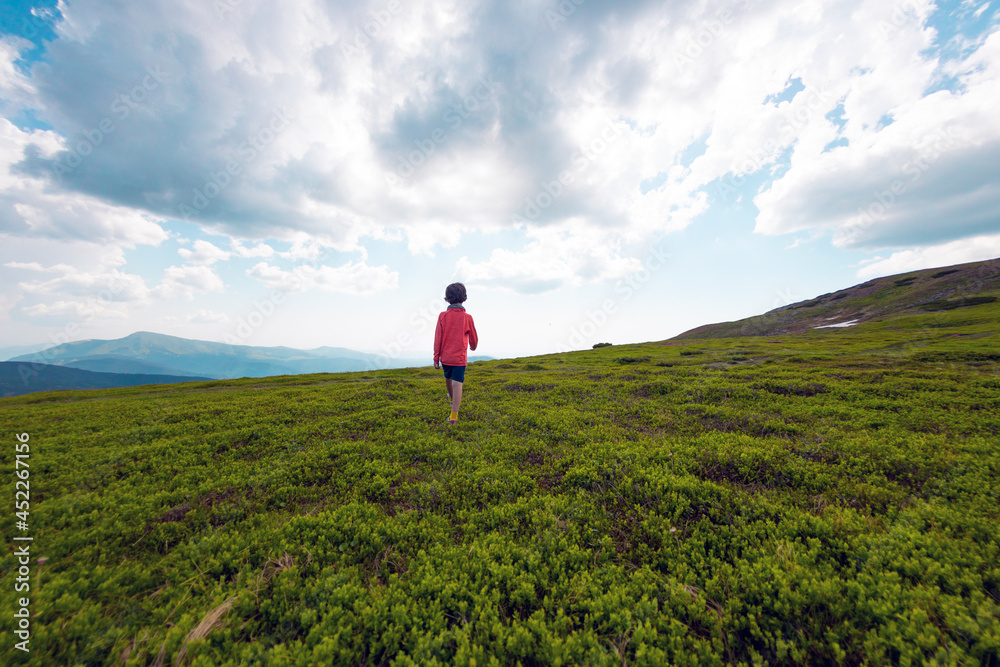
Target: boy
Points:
(455, 330)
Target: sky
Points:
(315, 173)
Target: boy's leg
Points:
(456, 396)
(447, 385)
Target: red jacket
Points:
(455, 330)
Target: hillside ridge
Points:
(913, 292)
(19, 378)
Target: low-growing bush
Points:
(631, 360)
(951, 304)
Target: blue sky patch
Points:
(960, 25)
(792, 88)
(19, 20)
(838, 116)
(694, 150)
(842, 141)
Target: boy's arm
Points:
(438, 337)
(473, 336)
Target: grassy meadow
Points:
(830, 497)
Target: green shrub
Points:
(631, 360)
(951, 304)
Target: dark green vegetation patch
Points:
(951, 304)
(826, 498)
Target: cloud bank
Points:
(583, 125)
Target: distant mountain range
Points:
(158, 354)
(148, 358)
(17, 378)
(7, 353)
(928, 290)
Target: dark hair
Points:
(455, 293)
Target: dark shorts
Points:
(454, 373)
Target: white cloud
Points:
(898, 185)
(302, 249)
(186, 282)
(31, 206)
(204, 254)
(203, 316)
(356, 278)
(35, 266)
(484, 136)
(973, 249)
(553, 259)
(106, 283)
(15, 88)
(259, 250)
(82, 310)
(84, 282)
